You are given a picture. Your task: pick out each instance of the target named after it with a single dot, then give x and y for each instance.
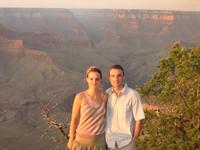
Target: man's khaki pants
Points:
(130, 146)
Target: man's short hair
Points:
(119, 67)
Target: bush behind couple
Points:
(106, 120)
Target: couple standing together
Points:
(106, 120)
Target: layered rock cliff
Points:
(8, 43)
(44, 54)
(66, 42)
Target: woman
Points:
(88, 115)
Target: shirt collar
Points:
(122, 91)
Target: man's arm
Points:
(138, 127)
(138, 114)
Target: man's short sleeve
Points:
(137, 109)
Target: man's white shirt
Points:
(122, 111)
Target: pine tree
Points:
(176, 86)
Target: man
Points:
(124, 112)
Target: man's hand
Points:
(138, 126)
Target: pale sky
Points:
(184, 5)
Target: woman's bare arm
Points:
(74, 120)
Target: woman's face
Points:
(94, 80)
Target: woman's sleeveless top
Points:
(92, 118)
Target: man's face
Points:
(116, 78)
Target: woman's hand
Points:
(70, 144)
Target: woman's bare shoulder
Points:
(79, 96)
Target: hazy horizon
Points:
(176, 5)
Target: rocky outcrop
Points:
(167, 19)
(154, 16)
(15, 44)
(150, 107)
(11, 43)
(40, 55)
(42, 21)
(80, 42)
(30, 113)
(131, 23)
(15, 48)
(5, 32)
(7, 112)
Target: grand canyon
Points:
(44, 53)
